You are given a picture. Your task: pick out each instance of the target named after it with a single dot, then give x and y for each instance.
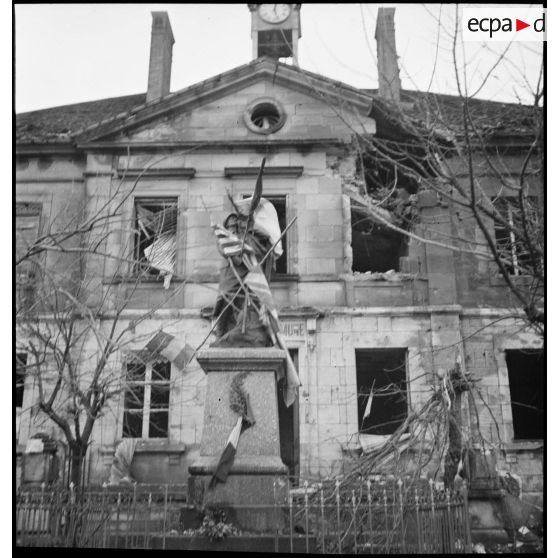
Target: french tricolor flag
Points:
(167, 345)
(227, 457)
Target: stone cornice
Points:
(263, 144)
(47, 149)
(187, 172)
(239, 172)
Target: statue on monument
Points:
(245, 314)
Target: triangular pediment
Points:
(314, 106)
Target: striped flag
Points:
(171, 348)
(227, 457)
(257, 283)
(162, 254)
(228, 243)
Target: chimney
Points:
(389, 84)
(160, 57)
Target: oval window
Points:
(264, 116)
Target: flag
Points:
(255, 280)
(293, 382)
(266, 221)
(368, 409)
(161, 255)
(228, 243)
(227, 457)
(171, 348)
(122, 462)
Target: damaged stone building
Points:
(362, 304)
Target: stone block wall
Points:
(57, 184)
(222, 119)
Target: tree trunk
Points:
(77, 459)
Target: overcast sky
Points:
(73, 53)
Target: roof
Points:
(61, 124)
(58, 124)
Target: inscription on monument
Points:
(293, 329)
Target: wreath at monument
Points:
(239, 399)
(239, 403)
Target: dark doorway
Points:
(289, 428)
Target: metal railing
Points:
(98, 517)
(374, 516)
(381, 516)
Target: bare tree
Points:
(482, 160)
(70, 310)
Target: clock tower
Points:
(275, 30)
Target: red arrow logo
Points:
(519, 25)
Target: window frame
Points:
(515, 420)
(362, 398)
(286, 239)
(26, 293)
(504, 205)
(140, 265)
(285, 244)
(358, 218)
(146, 409)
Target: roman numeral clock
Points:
(275, 30)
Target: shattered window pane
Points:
(511, 236)
(280, 205)
(381, 390)
(155, 240)
(375, 248)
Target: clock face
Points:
(274, 13)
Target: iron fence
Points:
(98, 517)
(382, 516)
(374, 516)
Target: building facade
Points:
(361, 307)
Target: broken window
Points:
(21, 363)
(146, 399)
(381, 390)
(27, 230)
(280, 205)
(511, 235)
(375, 248)
(527, 378)
(155, 240)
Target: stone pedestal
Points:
(257, 462)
